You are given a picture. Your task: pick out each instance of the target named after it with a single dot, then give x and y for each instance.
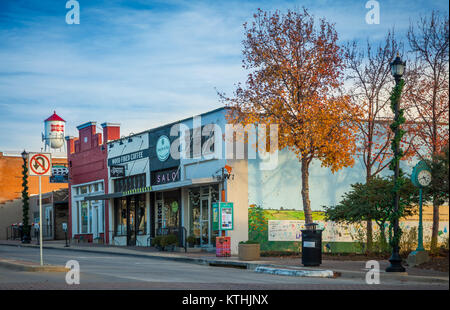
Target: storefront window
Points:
(84, 217)
(167, 212)
(121, 217)
(88, 215)
(200, 213)
(142, 217)
(90, 219)
(214, 193)
(128, 183)
(194, 201)
(78, 216)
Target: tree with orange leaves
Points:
(296, 82)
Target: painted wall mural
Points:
(290, 230)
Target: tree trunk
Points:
(369, 236)
(435, 231)
(369, 221)
(305, 191)
(383, 240)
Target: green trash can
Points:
(311, 245)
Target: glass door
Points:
(160, 223)
(95, 221)
(131, 219)
(204, 222)
(48, 231)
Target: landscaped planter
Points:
(249, 251)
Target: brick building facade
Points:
(88, 173)
(11, 177)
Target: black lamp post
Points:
(397, 70)
(25, 208)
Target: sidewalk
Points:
(275, 265)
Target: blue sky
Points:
(142, 63)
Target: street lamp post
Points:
(397, 70)
(25, 208)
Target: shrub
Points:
(156, 241)
(380, 245)
(249, 242)
(171, 240)
(191, 240)
(408, 240)
(360, 238)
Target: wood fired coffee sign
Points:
(128, 157)
(165, 176)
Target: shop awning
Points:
(185, 183)
(103, 196)
(156, 188)
(120, 194)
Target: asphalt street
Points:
(109, 271)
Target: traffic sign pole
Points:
(40, 221)
(40, 164)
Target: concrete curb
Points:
(32, 268)
(296, 273)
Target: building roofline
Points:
(91, 123)
(110, 124)
(169, 124)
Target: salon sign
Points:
(165, 176)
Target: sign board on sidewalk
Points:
(39, 164)
(223, 217)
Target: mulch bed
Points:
(437, 262)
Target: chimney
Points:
(111, 131)
(70, 144)
(87, 132)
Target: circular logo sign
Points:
(163, 148)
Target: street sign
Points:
(39, 164)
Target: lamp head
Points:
(398, 67)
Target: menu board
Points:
(222, 217)
(227, 218)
